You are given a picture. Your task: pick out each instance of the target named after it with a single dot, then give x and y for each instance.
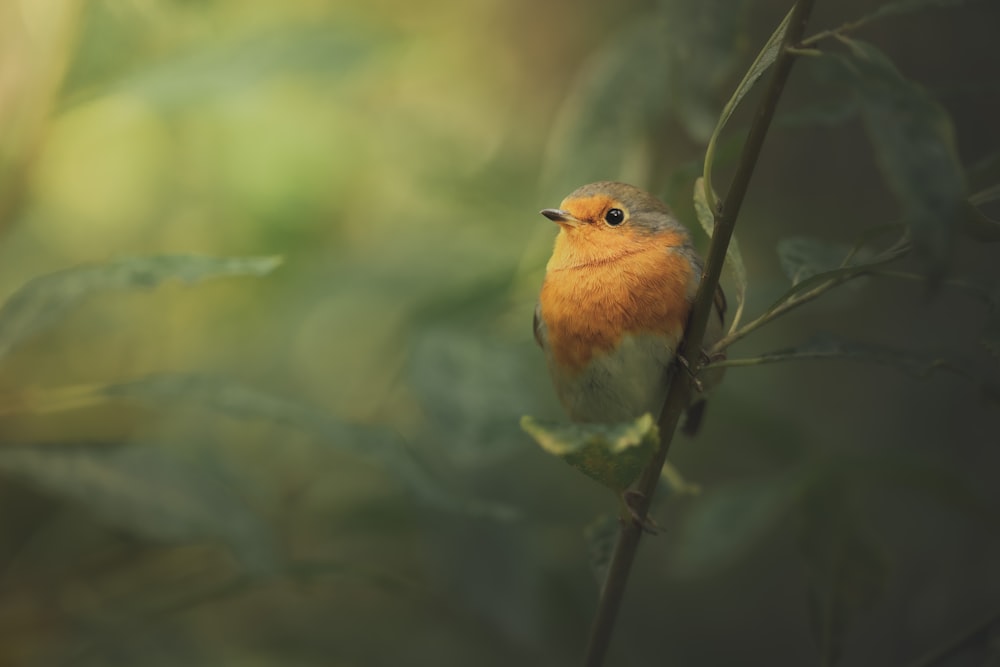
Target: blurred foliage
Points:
(285, 465)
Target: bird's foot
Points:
(686, 365)
(648, 525)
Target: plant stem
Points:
(793, 302)
(681, 387)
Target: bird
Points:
(615, 302)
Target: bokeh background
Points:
(321, 464)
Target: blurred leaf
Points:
(935, 480)
(600, 536)
(675, 484)
(825, 346)
(670, 62)
(849, 268)
(915, 149)
(847, 569)
(734, 258)
(148, 493)
(991, 193)
(907, 6)
(221, 66)
(610, 106)
(764, 60)
(612, 454)
(828, 113)
(700, 37)
(45, 300)
(802, 257)
(727, 521)
(377, 445)
(472, 389)
(978, 225)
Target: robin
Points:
(615, 302)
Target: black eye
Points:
(614, 217)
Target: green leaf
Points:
(471, 421)
(933, 479)
(915, 149)
(612, 454)
(595, 133)
(146, 492)
(846, 568)
(848, 269)
(828, 113)
(643, 74)
(977, 224)
(734, 258)
(674, 484)
(907, 6)
(710, 29)
(802, 257)
(824, 346)
(727, 521)
(372, 444)
(764, 60)
(45, 300)
(600, 536)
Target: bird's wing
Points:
(539, 326)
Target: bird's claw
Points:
(648, 525)
(686, 365)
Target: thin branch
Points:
(680, 389)
(797, 300)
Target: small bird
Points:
(615, 302)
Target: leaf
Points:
(977, 224)
(936, 480)
(670, 62)
(372, 444)
(700, 36)
(600, 536)
(734, 258)
(727, 521)
(848, 270)
(761, 63)
(828, 113)
(594, 131)
(43, 301)
(846, 568)
(471, 421)
(802, 257)
(612, 454)
(825, 346)
(674, 484)
(915, 149)
(148, 493)
(907, 6)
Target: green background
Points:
(323, 465)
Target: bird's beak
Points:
(560, 216)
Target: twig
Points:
(793, 302)
(680, 389)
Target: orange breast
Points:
(594, 294)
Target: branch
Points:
(776, 311)
(680, 388)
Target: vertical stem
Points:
(680, 389)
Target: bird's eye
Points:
(614, 217)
